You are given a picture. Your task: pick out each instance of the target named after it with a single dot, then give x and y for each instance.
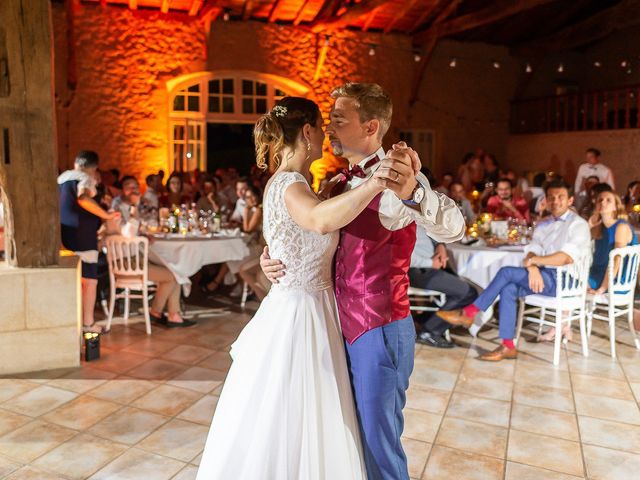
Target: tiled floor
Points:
(143, 410)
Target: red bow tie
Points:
(357, 170)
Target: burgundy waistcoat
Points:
(371, 272)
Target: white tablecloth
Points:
(480, 263)
(185, 256)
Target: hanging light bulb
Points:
(597, 64)
(624, 64)
(496, 64)
(561, 68)
(453, 62)
(189, 155)
(417, 57)
(226, 16)
(528, 68)
(372, 50)
(629, 71)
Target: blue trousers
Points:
(512, 283)
(380, 363)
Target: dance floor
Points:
(142, 411)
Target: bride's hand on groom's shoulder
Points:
(325, 192)
(273, 269)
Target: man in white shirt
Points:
(594, 168)
(428, 261)
(563, 238)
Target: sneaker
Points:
(436, 341)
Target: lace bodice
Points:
(307, 255)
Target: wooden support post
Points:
(27, 136)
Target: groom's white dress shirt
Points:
(438, 214)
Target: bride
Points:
(286, 411)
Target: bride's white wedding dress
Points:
(286, 411)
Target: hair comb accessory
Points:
(279, 111)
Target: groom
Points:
(371, 266)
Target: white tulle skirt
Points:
(286, 411)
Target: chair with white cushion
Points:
(567, 305)
(128, 270)
(421, 295)
(618, 299)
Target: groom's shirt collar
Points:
(380, 153)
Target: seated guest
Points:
(583, 199)
(80, 218)
(167, 294)
(207, 201)
(427, 272)
(241, 188)
(632, 197)
(560, 240)
(250, 270)
(589, 207)
(174, 195)
(609, 230)
(129, 196)
(491, 168)
(252, 224)
(457, 194)
(593, 167)
(445, 183)
(151, 197)
(505, 205)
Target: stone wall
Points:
(123, 59)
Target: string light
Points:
(496, 65)
(597, 64)
(453, 62)
(624, 64)
(372, 50)
(561, 68)
(417, 57)
(528, 68)
(226, 16)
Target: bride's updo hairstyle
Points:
(281, 126)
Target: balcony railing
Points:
(596, 110)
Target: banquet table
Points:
(480, 264)
(185, 255)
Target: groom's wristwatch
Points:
(416, 196)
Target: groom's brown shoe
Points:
(455, 317)
(499, 353)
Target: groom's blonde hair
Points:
(372, 103)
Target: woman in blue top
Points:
(609, 230)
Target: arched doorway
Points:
(211, 116)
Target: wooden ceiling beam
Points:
(247, 9)
(300, 13)
(353, 13)
(196, 5)
(400, 15)
(370, 18)
(624, 15)
(428, 49)
(496, 12)
(273, 14)
(426, 16)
